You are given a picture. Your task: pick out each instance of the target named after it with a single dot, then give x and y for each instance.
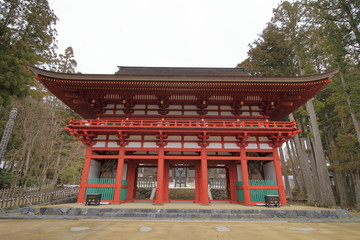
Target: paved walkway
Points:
(174, 230)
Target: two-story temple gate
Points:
(166, 117)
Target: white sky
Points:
(159, 33)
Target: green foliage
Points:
(6, 178)
(270, 55)
(27, 37)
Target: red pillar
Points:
(204, 177)
(232, 183)
(119, 173)
(160, 177)
(278, 174)
(245, 176)
(85, 174)
(197, 182)
(131, 181)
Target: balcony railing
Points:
(181, 124)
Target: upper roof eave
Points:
(180, 74)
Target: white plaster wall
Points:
(100, 137)
(269, 171)
(214, 138)
(150, 137)
(112, 137)
(153, 112)
(230, 145)
(264, 139)
(230, 138)
(109, 112)
(99, 144)
(250, 139)
(153, 107)
(139, 112)
(190, 107)
(226, 114)
(215, 145)
(124, 173)
(175, 113)
(174, 138)
(175, 107)
(239, 173)
(150, 145)
(94, 171)
(190, 113)
(173, 145)
(133, 145)
(252, 146)
(212, 113)
(264, 146)
(139, 106)
(191, 145)
(134, 137)
(113, 144)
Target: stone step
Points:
(220, 214)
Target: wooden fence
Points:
(19, 197)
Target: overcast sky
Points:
(159, 33)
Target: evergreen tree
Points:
(27, 37)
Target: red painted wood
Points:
(160, 177)
(131, 181)
(204, 177)
(279, 180)
(245, 176)
(85, 174)
(119, 173)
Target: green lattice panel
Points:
(101, 181)
(258, 195)
(106, 193)
(240, 194)
(123, 191)
(262, 182)
(239, 183)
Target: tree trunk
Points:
(298, 182)
(352, 113)
(341, 186)
(309, 151)
(327, 196)
(356, 181)
(285, 174)
(305, 169)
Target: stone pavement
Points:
(175, 230)
(76, 221)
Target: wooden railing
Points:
(146, 183)
(179, 124)
(20, 197)
(217, 184)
